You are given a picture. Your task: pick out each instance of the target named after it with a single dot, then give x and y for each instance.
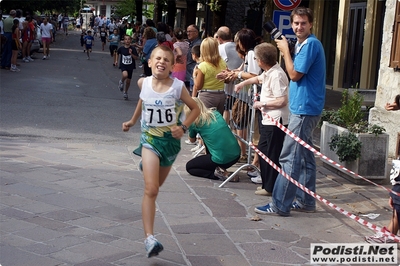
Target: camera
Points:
(271, 28)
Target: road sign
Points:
(282, 22)
(287, 4)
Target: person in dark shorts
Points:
(89, 42)
(128, 55)
(103, 38)
(114, 40)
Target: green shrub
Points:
(347, 146)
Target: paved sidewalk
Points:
(80, 204)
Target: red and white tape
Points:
(313, 194)
(325, 201)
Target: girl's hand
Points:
(126, 126)
(177, 132)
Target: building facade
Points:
(359, 39)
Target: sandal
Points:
(243, 158)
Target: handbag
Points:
(240, 113)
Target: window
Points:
(395, 53)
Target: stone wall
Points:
(388, 85)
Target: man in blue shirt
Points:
(306, 100)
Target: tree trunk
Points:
(191, 12)
(171, 13)
(139, 10)
(158, 10)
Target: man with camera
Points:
(306, 70)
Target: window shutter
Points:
(395, 53)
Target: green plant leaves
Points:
(347, 146)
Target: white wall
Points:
(388, 84)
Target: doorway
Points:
(355, 40)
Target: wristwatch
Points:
(184, 128)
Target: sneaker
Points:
(153, 247)
(296, 207)
(125, 96)
(25, 60)
(30, 59)
(120, 85)
(15, 69)
(252, 173)
(198, 147)
(44, 57)
(256, 180)
(379, 238)
(220, 173)
(142, 76)
(265, 210)
(48, 56)
(188, 142)
(262, 192)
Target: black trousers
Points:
(203, 166)
(270, 144)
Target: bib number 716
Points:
(160, 116)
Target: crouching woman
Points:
(222, 149)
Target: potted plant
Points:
(347, 138)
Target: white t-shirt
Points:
(46, 30)
(274, 84)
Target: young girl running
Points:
(160, 108)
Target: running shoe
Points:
(265, 210)
(298, 208)
(257, 179)
(153, 247)
(120, 85)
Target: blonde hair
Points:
(206, 115)
(209, 51)
(165, 49)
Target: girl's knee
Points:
(151, 191)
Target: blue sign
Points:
(282, 22)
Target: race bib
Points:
(89, 41)
(126, 59)
(160, 112)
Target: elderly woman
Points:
(273, 103)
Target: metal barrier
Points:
(244, 97)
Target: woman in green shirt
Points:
(222, 148)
